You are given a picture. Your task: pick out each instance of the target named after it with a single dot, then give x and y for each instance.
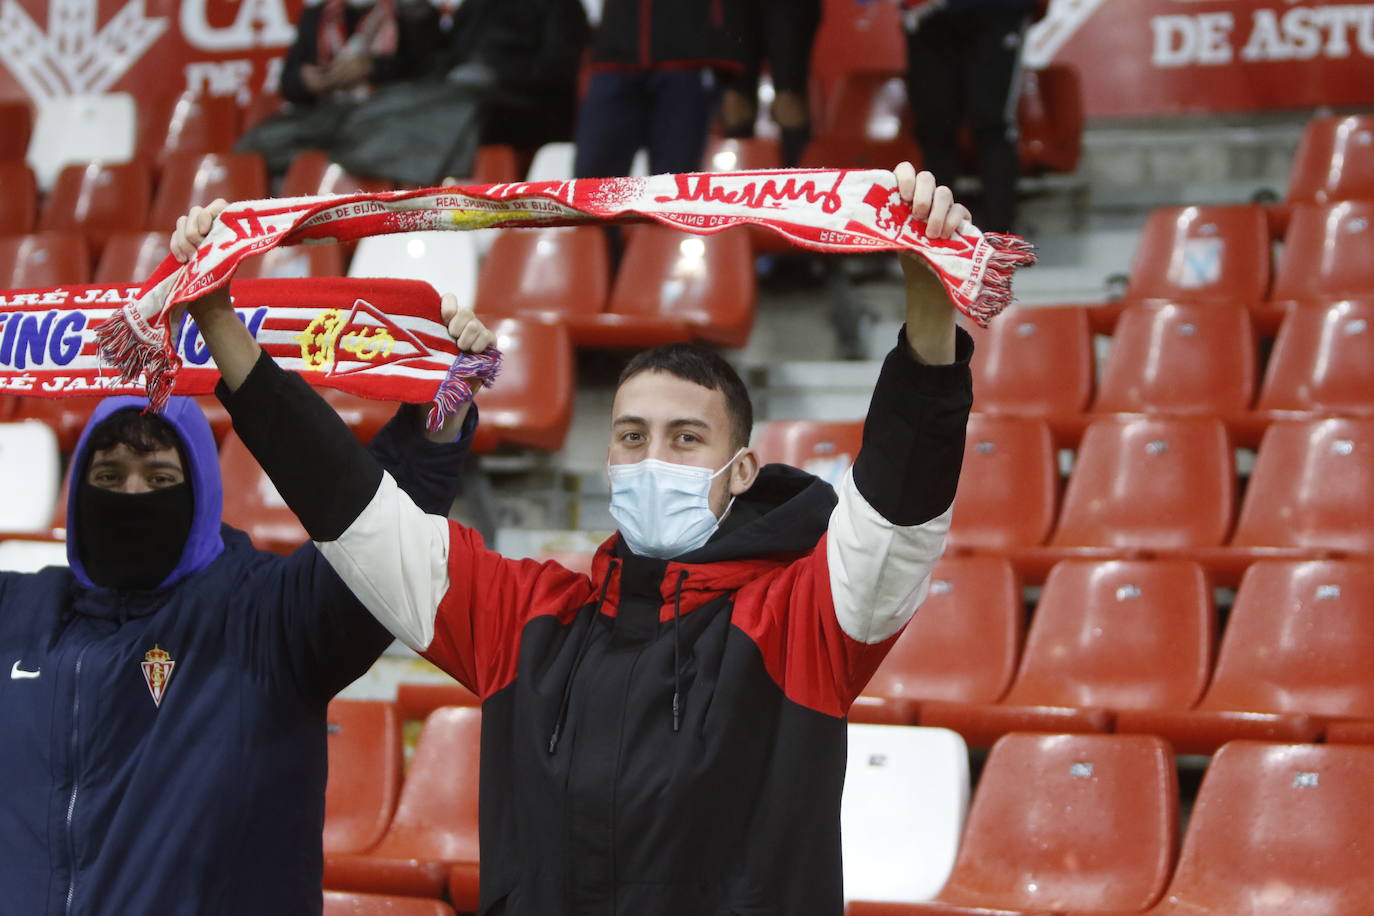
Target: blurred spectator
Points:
(655, 80)
(780, 32)
(526, 54)
(963, 65)
(344, 48)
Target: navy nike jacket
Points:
(164, 751)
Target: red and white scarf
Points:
(843, 211)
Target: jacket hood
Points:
(204, 543)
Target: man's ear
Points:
(744, 472)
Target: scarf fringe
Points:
(454, 391)
(134, 353)
(1009, 254)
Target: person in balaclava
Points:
(162, 725)
(667, 735)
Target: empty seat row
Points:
(1088, 824)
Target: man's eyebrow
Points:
(678, 421)
(163, 465)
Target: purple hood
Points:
(204, 543)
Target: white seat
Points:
(554, 162)
(446, 260)
(31, 556)
(906, 793)
(30, 473)
(81, 128)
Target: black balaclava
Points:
(132, 540)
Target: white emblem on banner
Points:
(73, 57)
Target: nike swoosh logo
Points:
(19, 674)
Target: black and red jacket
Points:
(662, 738)
(646, 34)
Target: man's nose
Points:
(134, 484)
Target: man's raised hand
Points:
(929, 310)
(192, 229)
(930, 201)
(468, 333)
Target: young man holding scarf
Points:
(163, 721)
(666, 736)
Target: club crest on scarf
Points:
(157, 668)
(365, 338)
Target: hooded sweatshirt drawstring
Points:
(677, 651)
(582, 647)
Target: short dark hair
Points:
(142, 432)
(705, 367)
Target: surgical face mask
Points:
(664, 509)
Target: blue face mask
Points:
(664, 509)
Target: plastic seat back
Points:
(70, 128)
(865, 103)
(436, 818)
(1335, 161)
(1180, 359)
(1034, 360)
(706, 281)
(312, 173)
(820, 447)
(194, 179)
(905, 796)
(365, 765)
(1279, 830)
(556, 270)
(1069, 822)
(1050, 117)
(1150, 482)
(1009, 484)
(965, 639)
(1326, 253)
(1119, 634)
(1323, 361)
(1299, 640)
(54, 258)
(1312, 487)
(18, 197)
(190, 122)
(252, 503)
(1218, 255)
(531, 405)
(100, 200)
(552, 162)
(30, 473)
(868, 36)
(29, 555)
(725, 154)
(16, 126)
(349, 903)
(131, 257)
(446, 261)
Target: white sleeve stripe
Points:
(394, 558)
(879, 572)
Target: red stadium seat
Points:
(675, 286)
(1278, 830)
(1326, 254)
(131, 257)
(1335, 161)
(1050, 115)
(842, 151)
(1218, 255)
(823, 448)
(1322, 362)
(436, 821)
(865, 103)
(1036, 361)
(67, 417)
(312, 173)
(1311, 491)
(557, 273)
(1144, 484)
(1009, 485)
(44, 259)
(18, 197)
(856, 37)
(962, 645)
(1064, 845)
(342, 903)
(1354, 732)
(1294, 656)
(187, 123)
(495, 164)
(190, 179)
(417, 701)
(100, 200)
(530, 405)
(365, 764)
(252, 503)
(294, 261)
(260, 107)
(1182, 360)
(1132, 634)
(16, 126)
(741, 155)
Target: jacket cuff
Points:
(913, 441)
